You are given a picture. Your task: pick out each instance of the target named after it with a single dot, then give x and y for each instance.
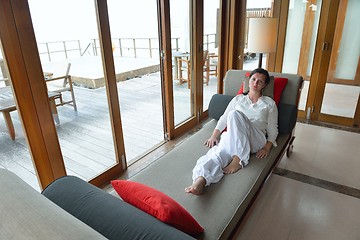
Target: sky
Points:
(55, 20)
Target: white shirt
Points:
(263, 114)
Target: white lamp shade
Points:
(262, 35)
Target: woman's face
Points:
(257, 82)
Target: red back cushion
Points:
(241, 90)
(158, 205)
(279, 86)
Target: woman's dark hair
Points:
(261, 71)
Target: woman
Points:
(251, 122)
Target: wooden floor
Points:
(85, 136)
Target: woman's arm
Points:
(272, 132)
(221, 124)
(272, 125)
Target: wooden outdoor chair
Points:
(185, 65)
(62, 84)
(5, 81)
(4, 73)
(210, 67)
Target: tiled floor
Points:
(302, 208)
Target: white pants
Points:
(240, 139)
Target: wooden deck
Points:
(85, 136)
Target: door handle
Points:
(326, 46)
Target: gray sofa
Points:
(223, 204)
(71, 208)
(26, 214)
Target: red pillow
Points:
(279, 85)
(158, 205)
(241, 90)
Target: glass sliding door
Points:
(342, 89)
(211, 50)
(301, 33)
(137, 65)
(66, 33)
(182, 68)
(333, 93)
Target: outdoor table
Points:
(7, 105)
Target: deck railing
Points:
(130, 47)
(59, 48)
(66, 49)
(135, 47)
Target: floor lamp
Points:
(262, 36)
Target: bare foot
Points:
(197, 187)
(233, 166)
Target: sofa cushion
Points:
(158, 205)
(287, 118)
(26, 214)
(279, 86)
(218, 104)
(110, 216)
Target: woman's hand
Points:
(212, 141)
(263, 153)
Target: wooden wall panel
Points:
(21, 54)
